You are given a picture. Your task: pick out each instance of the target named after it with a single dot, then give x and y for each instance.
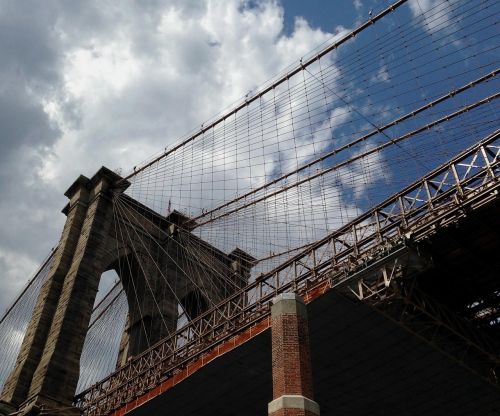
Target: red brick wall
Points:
(291, 356)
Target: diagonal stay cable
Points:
(122, 207)
(37, 274)
(195, 252)
(111, 302)
(123, 241)
(360, 113)
(132, 202)
(173, 260)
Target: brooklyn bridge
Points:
(328, 245)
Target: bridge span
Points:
(330, 244)
(391, 294)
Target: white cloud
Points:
(134, 101)
(436, 13)
(382, 75)
(129, 81)
(114, 85)
(365, 172)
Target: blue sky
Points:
(85, 84)
(326, 15)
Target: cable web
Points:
(15, 320)
(296, 161)
(265, 179)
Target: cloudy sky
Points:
(85, 84)
(91, 83)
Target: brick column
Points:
(292, 373)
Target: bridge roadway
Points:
(426, 259)
(365, 363)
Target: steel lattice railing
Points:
(442, 197)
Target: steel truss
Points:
(392, 289)
(443, 197)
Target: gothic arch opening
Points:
(105, 331)
(194, 304)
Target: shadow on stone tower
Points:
(93, 241)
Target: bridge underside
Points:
(363, 362)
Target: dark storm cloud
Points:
(27, 43)
(29, 71)
(23, 122)
(28, 67)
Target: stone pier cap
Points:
(103, 179)
(288, 303)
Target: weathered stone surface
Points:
(18, 383)
(93, 241)
(6, 408)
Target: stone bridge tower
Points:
(47, 368)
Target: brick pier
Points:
(291, 359)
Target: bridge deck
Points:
(364, 363)
(376, 364)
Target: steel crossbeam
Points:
(390, 288)
(440, 198)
